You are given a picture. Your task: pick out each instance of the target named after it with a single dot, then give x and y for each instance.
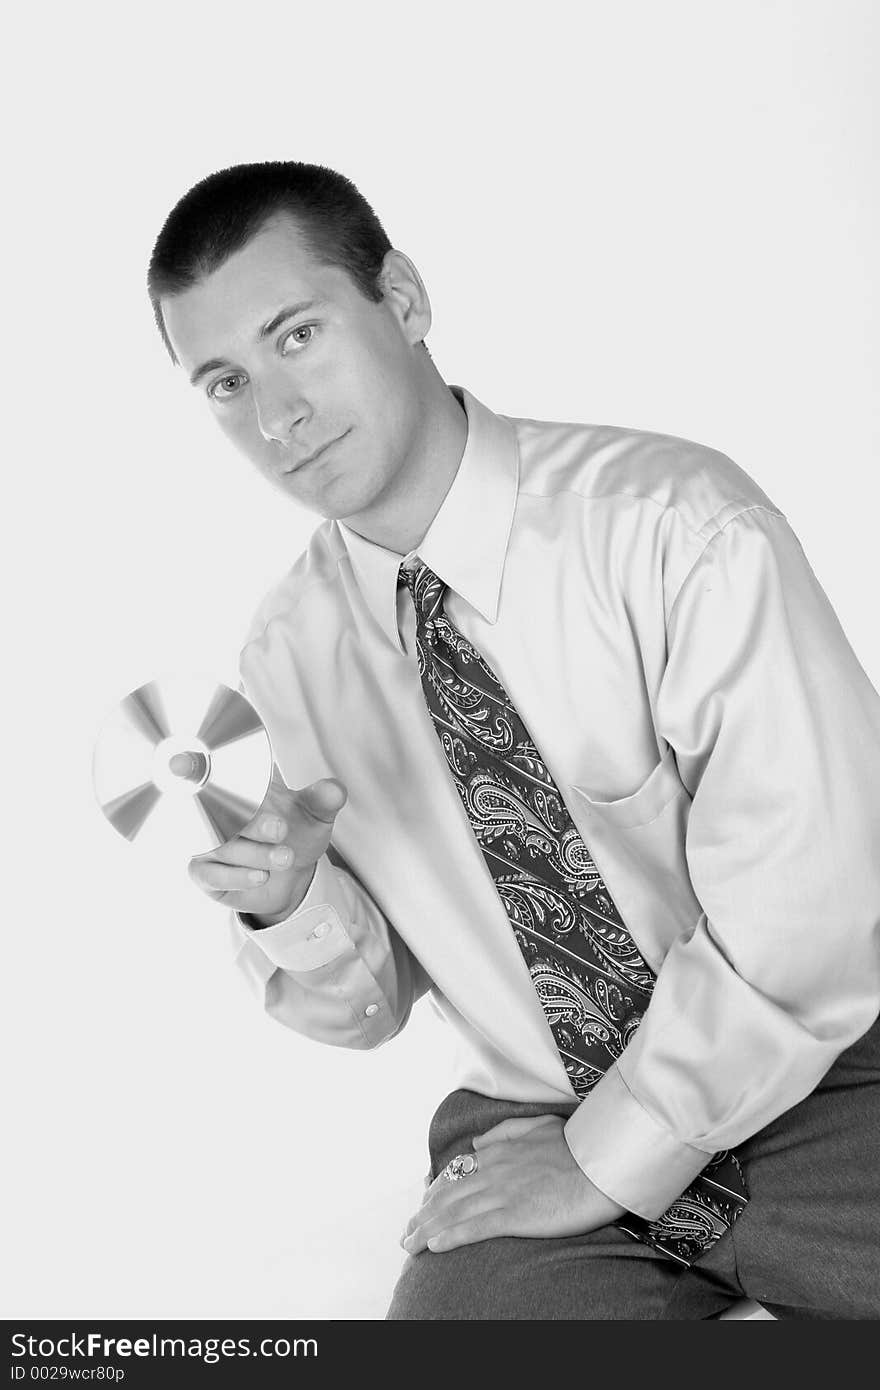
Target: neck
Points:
(399, 518)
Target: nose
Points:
(280, 408)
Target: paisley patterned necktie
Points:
(592, 981)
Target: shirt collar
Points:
(466, 543)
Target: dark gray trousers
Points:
(806, 1246)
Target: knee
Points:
(439, 1286)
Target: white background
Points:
(659, 215)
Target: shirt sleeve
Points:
(335, 969)
(775, 728)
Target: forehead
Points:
(228, 307)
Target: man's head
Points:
(278, 292)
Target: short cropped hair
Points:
(220, 214)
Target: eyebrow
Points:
(288, 312)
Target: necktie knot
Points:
(426, 589)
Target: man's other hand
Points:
(526, 1184)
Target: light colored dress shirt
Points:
(653, 617)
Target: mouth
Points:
(312, 458)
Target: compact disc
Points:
(182, 761)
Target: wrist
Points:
(259, 920)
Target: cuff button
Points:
(371, 1009)
(321, 931)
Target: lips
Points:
(313, 457)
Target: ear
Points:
(405, 294)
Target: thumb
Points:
(511, 1129)
(324, 799)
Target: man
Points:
(580, 747)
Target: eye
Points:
(225, 386)
(291, 341)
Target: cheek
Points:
(229, 422)
(241, 429)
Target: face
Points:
(315, 384)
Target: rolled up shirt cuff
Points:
(313, 934)
(634, 1160)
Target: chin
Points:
(336, 503)
(341, 500)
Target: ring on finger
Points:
(462, 1166)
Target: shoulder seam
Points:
(713, 521)
(606, 496)
(753, 507)
(273, 616)
(698, 533)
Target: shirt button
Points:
(321, 930)
(371, 1009)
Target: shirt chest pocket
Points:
(637, 843)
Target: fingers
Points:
(430, 1212)
(285, 839)
(485, 1225)
(476, 1207)
(475, 1217)
(303, 818)
(286, 812)
(250, 854)
(225, 878)
(511, 1129)
(240, 865)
